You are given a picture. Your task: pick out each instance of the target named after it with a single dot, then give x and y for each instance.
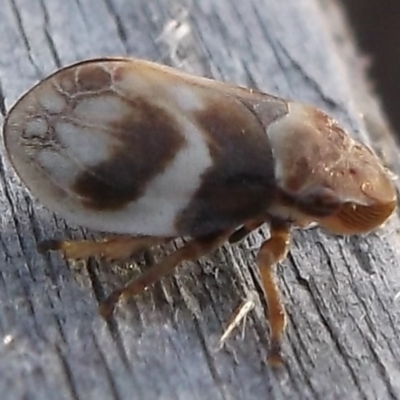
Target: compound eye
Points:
(355, 218)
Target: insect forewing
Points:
(128, 146)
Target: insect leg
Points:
(245, 230)
(271, 252)
(191, 251)
(113, 248)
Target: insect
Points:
(147, 154)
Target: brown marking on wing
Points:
(93, 77)
(120, 70)
(267, 108)
(83, 79)
(241, 182)
(147, 142)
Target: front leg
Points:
(273, 251)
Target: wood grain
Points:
(341, 294)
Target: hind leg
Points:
(191, 251)
(113, 248)
(245, 230)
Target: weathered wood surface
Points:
(344, 330)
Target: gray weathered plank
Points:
(343, 333)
